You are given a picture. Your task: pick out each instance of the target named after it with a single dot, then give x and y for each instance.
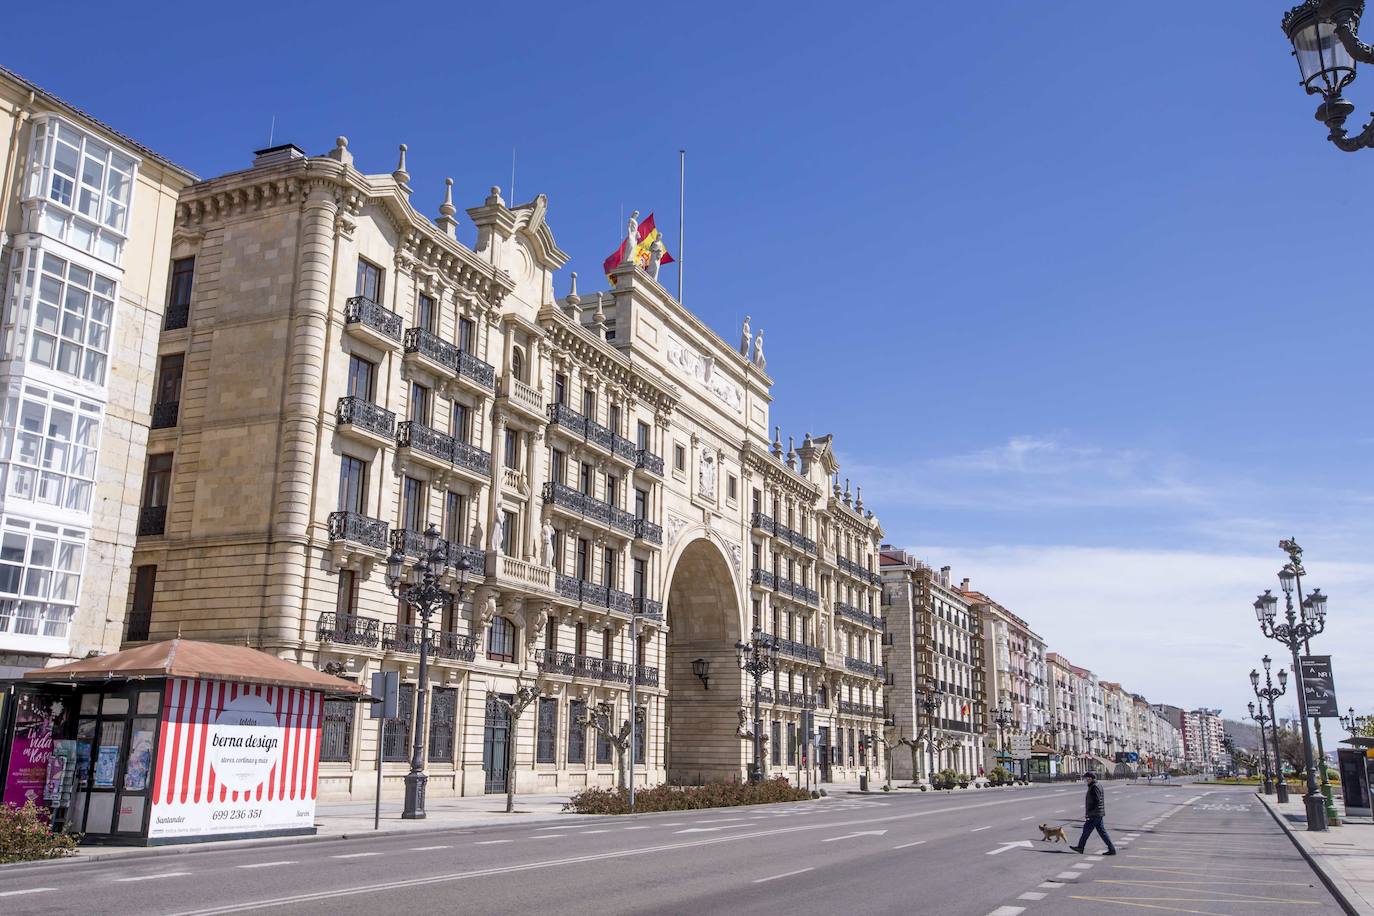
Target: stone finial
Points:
(446, 222)
(791, 452)
(848, 499)
(599, 318)
(572, 302)
(494, 197)
(777, 441)
(806, 442)
(836, 487)
(401, 175)
(859, 498)
(340, 151)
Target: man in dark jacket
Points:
(1094, 810)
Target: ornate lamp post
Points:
(1269, 694)
(425, 596)
(756, 658)
(1325, 43)
(930, 702)
(1296, 633)
(1003, 719)
(1259, 718)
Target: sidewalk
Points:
(1343, 856)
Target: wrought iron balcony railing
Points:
(862, 667)
(649, 461)
(481, 372)
(648, 607)
(567, 586)
(551, 661)
(569, 419)
(597, 594)
(358, 529)
(364, 414)
(165, 414)
(646, 676)
(589, 507)
(362, 310)
(849, 612)
(404, 637)
(347, 630)
(432, 347)
(798, 650)
(152, 520)
(471, 457)
(622, 520)
(624, 448)
(599, 435)
(763, 577)
(460, 647)
(421, 438)
(646, 530)
(796, 700)
(621, 601)
(178, 317)
(476, 557)
(762, 521)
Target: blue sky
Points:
(1079, 287)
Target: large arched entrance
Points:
(703, 743)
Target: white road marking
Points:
(428, 848)
(1028, 817)
(546, 836)
(594, 831)
(356, 855)
(1050, 884)
(169, 874)
(850, 836)
(710, 829)
(1068, 876)
(1031, 895)
(976, 829)
(909, 845)
(786, 874)
(640, 827)
(1083, 865)
(27, 890)
(1008, 911)
(491, 842)
(266, 864)
(1060, 810)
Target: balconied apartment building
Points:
(344, 372)
(935, 651)
(1202, 731)
(85, 224)
(1015, 678)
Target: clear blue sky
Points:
(1079, 287)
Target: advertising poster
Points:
(235, 759)
(140, 760)
(1319, 687)
(36, 719)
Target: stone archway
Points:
(703, 743)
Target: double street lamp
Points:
(1326, 44)
(1268, 694)
(1356, 725)
(1296, 632)
(930, 702)
(756, 658)
(1003, 719)
(1260, 718)
(425, 596)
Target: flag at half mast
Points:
(645, 234)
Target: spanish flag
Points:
(648, 234)
(963, 710)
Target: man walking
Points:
(1094, 810)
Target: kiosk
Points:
(171, 742)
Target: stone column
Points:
(534, 463)
(300, 417)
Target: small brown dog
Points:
(1053, 833)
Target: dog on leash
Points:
(1053, 833)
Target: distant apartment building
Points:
(935, 655)
(86, 220)
(1015, 679)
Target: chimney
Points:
(964, 587)
(275, 154)
(944, 576)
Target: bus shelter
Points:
(170, 742)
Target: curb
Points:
(1332, 883)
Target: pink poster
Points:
(36, 719)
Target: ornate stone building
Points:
(85, 224)
(1015, 675)
(600, 464)
(935, 649)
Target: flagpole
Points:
(681, 244)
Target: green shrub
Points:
(999, 775)
(25, 835)
(685, 798)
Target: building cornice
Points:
(570, 340)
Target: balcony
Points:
(177, 318)
(347, 630)
(479, 371)
(623, 521)
(624, 449)
(799, 650)
(565, 417)
(765, 695)
(860, 666)
(796, 700)
(430, 351)
(762, 521)
(471, 458)
(648, 608)
(512, 571)
(645, 530)
(850, 708)
(598, 435)
(646, 676)
(152, 520)
(355, 528)
(849, 612)
(596, 594)
(402, 637)
(762, 578)
(428, 446)
(646, 460)
(476, 557)
(551, 661)
(364, 420)
(523, 397)
(367, 320)
(620, 601)
(165, 414)
(575, 502)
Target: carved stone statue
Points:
(547, 534)
(758, 351)
(498, 533)
(631, 237)
(745, 339)
(706, 474)
(656, 252)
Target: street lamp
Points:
(1003, 719)
(1259, 718)
(930, 702)
(1323, 35)
(1296, 633)
(1356, 725)
(425, 596)
(1269, 693)
(757, 657)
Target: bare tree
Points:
(601, 718)
(525, 694)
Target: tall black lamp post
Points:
(1326, 44)
(930, 703)
(756, 658)
(1003, 719)
(1259, 718)
(425, 597)
(1268, 694)
(1356, 725)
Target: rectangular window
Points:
(640, 577)
(642, 435)
(168, 392)
(775, 743)
(607, 645)
(603, 748)
(466, 337)
(455, 515)
(641, 504)
(589, 403)
(551, 634)
(757, 614)
(396, 732)
(679, 458)
(558, 466)
(557, 550)
(547, 731)
(362, 378)
(179, 294)
(369, 284)
(336, 732)
(608, 567)
(613, 489)
(501, 640)
(50, 439)
(577, 733)
(580, 639)
(732, 487)
(582, 548)
(443, 721)
(585, 481)
(424, 312)
(614, 417)
(352, 484)
(641, 736)
(460, 422)
(510, 532)
(157, 481)
(419, 404)
(40, 564)
(141, 614)
(72, 313)
(346, 598)
(560, 389)
(512, 450)
(413, 504)
(791, 743)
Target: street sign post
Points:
(386, 695)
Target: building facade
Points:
(936, 652)
(1015, 683)
(85, 224)
(599, 467)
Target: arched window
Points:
(501, 640)
(517, 364)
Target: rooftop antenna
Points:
(272, 131)
(681, 243)
(512, 176)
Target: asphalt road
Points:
(1183, 849)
